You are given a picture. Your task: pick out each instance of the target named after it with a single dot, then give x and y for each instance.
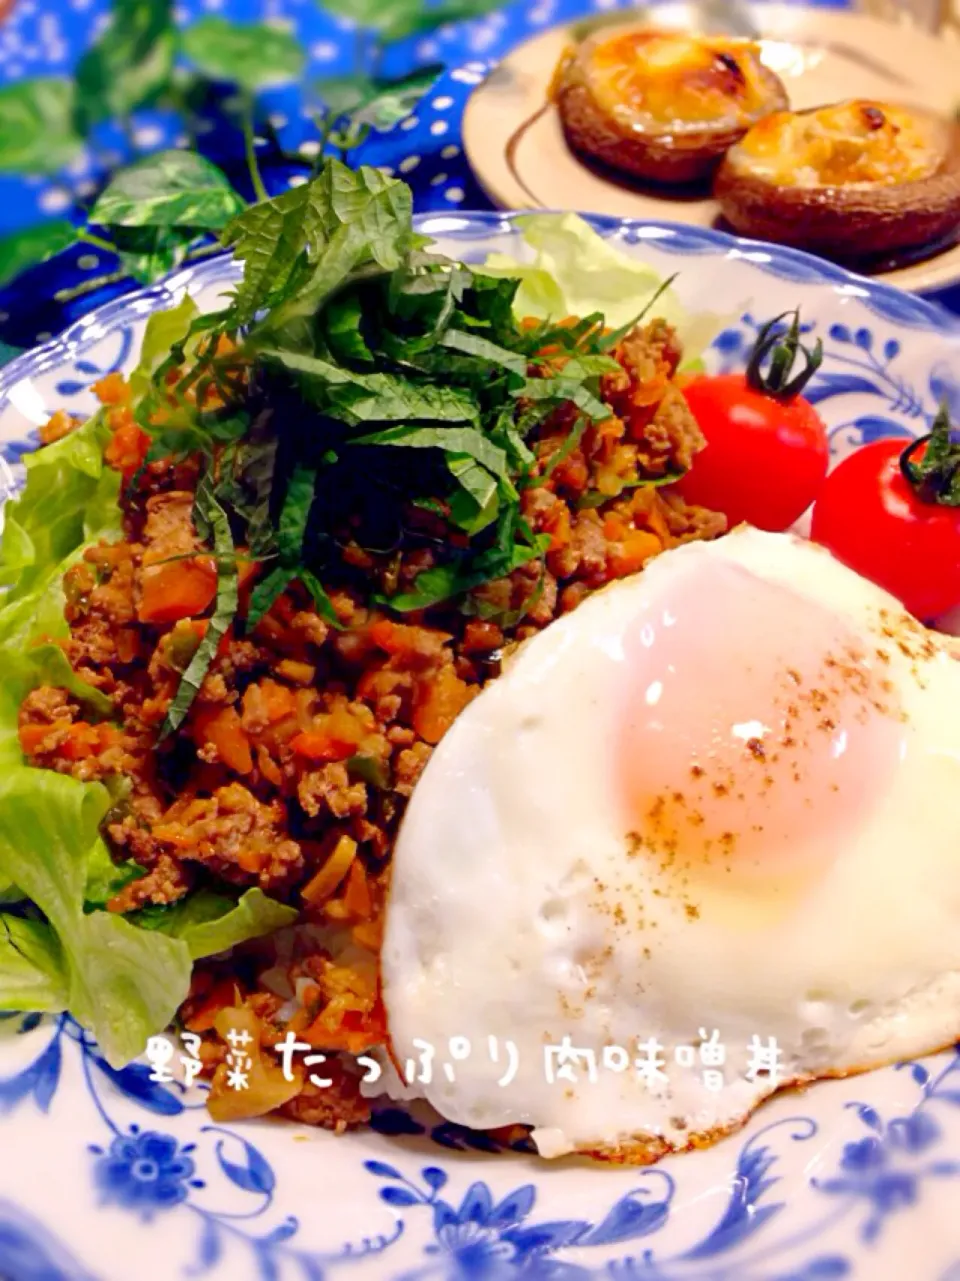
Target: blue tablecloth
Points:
(44, 37)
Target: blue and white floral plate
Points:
(106, 1176)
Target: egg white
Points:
(513, 837)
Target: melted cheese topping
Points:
(651, 77)
(847, 144)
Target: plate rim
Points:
(890, 302)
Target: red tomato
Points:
(870, 517)
(765, 459)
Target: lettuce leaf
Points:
(121, 983)
(70, 499)
(32, 973)
(105, 878)
(210, 923)
(575, 272)
(164, 330)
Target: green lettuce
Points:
(210, 923)
(70, 499)
(121, 981)
(164, 330)
(32, 971)
(575, 272)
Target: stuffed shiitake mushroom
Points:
(854, 180)
(662, 106)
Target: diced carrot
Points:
(318, 745)
(60, 425)
(353, 1030)
(403, 639)
(334, 736)
(221, 996)
(296, 672)
(278, 698)
(557, 524)
(356, 896)
(368, 934)
(614, 527)
(88, 740)
(268, 766)
(176, 835)
(324, 883)
(127, 450)
(439, 701)
(251, 859)
(112, 389)
(634, 551)
(176, 589)
(221, 727)
(320, 1033)
(310, 995)
(31, 736)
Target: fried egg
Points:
(701, 827)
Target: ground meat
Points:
(166, 882)
(330, 789)
(54, 735)
(585, 555)
(671, 439)
(46, 705)
(655, 410)
(410, 765)
(231, 832)
(311, 627)
(169, 523)
(689, 524)
(339, 1106)
(305, 741)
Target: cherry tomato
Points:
(765, 458)
(874, 520)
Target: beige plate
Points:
(514, 142)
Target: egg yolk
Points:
(757, 727)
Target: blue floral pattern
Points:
(145, 1171)
(800, 1197)
(477, 1235)
(31, 1252)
